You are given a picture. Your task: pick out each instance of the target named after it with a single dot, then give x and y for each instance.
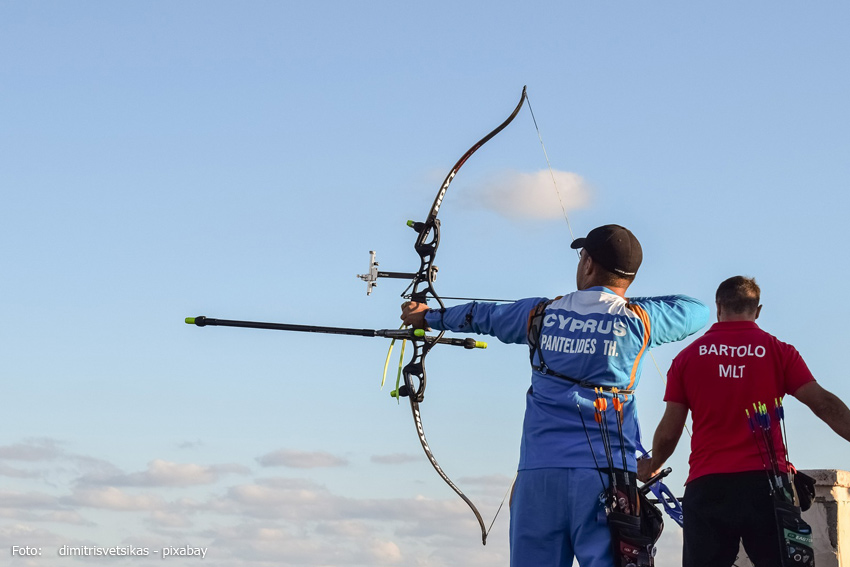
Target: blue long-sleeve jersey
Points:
(594, 336)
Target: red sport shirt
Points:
(733, 365)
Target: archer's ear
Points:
(590, 266)
(758, 312)
(718, 310)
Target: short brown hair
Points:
(610, 278)
(739, 294)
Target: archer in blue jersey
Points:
(593, 337)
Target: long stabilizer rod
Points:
(410, 334)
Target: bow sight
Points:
(371, 278)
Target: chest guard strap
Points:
(535, 329)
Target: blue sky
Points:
(239, 160)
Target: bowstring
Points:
(572, 234)
(551, 171)
(572, 237)
(570, 227)
(502, 503)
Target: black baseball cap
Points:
(614, 247)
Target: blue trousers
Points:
(556, 515)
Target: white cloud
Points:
(344, 528)
(67, 517)
(21, 534)
(165, 519)
(38, 507)
(263, 522)
(669, 545)
(260, 545)
(397, 458)
(41, 449)
(518, 195)
(27, 500)
(276, 500)
(488, 488)
(13, 472)
(45, 449)
(301, 459)
(112, 498)
(384, 552)
(165, 473)
(275, 522)
(491, 480)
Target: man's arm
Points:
(664, 441)
(508, 322)
(826, 406)
(674, 317)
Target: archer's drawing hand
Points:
(413, 314)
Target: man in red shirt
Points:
(734, 365)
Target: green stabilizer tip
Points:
(419, 333)
(480, 344)
(190, 320)
(410, 223)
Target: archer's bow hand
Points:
(413, 314)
